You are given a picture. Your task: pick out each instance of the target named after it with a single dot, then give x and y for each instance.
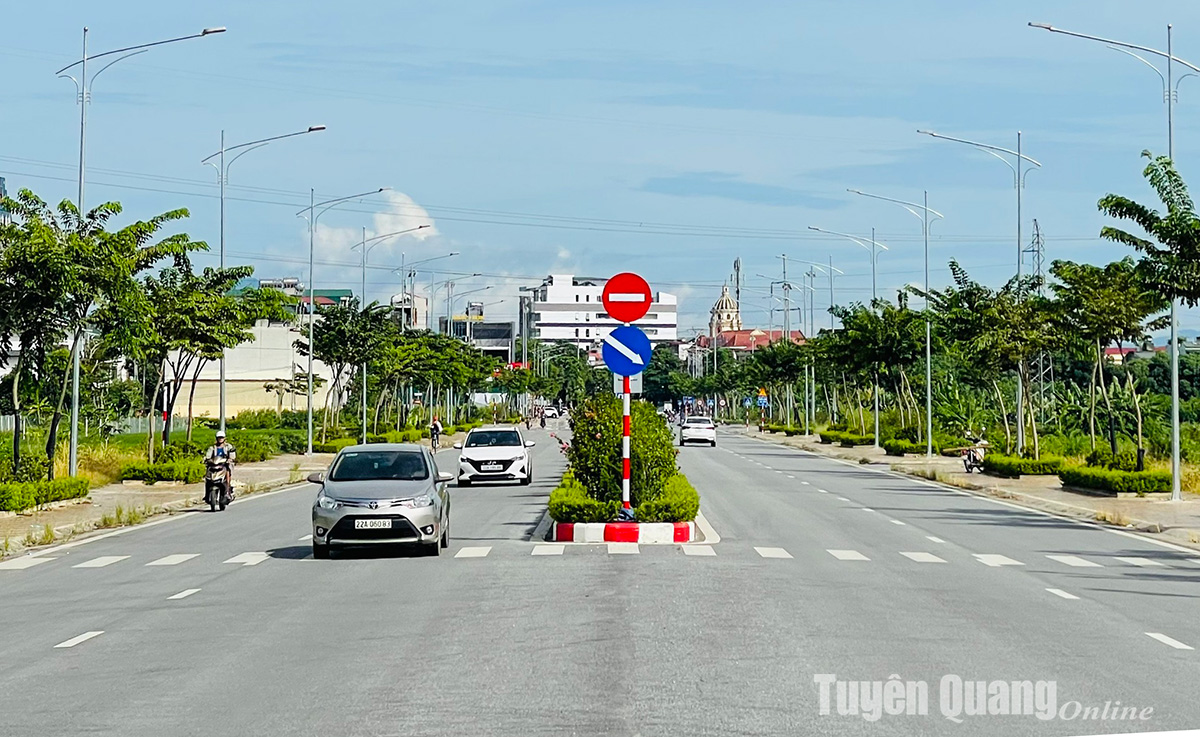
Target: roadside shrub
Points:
(333, 446)
(850, 440)
(34, 463)
(254, 447)
(1118, 482)
(998, 464)
(792, 431)
(180, 450)
(188, 471)
(19, 496)
(411, 435)
(570, 502)
(1102, 457)
(830, 437)
(1065, 445)
(899, 446)
(679, 502)
(266, 419)
(595, 451)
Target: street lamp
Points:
(222, 168)
(435, 287)
(408, 276)
(1019, 182)
(312, 218)
(923, 216)
(83, 93)
(451, 300)
(1170, 92)
(366, 245)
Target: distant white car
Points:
(496, 453)
(550, 412)
(698, 430)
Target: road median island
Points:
(586, 506)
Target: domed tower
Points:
(725, 314)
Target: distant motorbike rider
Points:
(222, 453)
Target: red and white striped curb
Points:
(647, 533)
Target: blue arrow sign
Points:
(626, 351)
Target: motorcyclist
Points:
(223, 453)
(435, 431)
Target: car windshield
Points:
(379, 465)
(493, 438)
(699, 421)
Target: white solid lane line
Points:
(1170, 641)
(173, 560)
(934, 539)
(698, 550)
(479, 552)
(547, 549)
(1063, 594)
(20, 564)
(182, 594)
(923, 557)
(80, 638)
(1140, 562)
(104, 560)
(772, 552)
(623, 549)
(248, 559)
(1074, 561)
(898, 522)
(847, 555)
(993, 560)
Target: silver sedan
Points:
(381, 494)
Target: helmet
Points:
(220, 434)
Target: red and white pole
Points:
(625, 448)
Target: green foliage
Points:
(846, 439)
(254, 447)
(411, 435)
(34, 463)
(899, 447)
(265, 419)
(333, 446)
(1006, 466)
(187, 471)
(1066, 444)
(570, 502)
(1103, 457)
(19, 496)
(678, 502)
(595, 451)
(1118, 482)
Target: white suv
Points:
(494, 454)
(698, 430)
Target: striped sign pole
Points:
(625, 449)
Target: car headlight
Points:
(325, 502)
(425, 500)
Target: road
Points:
(822, 568)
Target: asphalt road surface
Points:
(222, 624)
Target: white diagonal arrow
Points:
(624, 350)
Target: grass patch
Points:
(1113, 517)
(294, 473)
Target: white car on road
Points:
(494, 454)
(698, 430)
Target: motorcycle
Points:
(218, 485)
(973, 457)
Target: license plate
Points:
(492, 466)
(372, 524)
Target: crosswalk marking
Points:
(547, 549)
(1170, 641)
(104, 560)
(934, 539)
(1140, 562)
(923, 557)
(772, 552)
(995, 561)
(698, 550)
(79, 638)
(623, 549)
(20, 564)
(847, 555)
(476, 552)
(182, 594)
(1074, 561)
(1063, 594)
(173, 560)
(248, 559)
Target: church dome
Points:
(725, 303)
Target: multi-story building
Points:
(568, 309)
(4, 215)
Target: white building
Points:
(568, 309)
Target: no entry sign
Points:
(626, 297)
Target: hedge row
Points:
(19, 496)
(569, 502)
(1118, 482)
(188, 471)
(898, 447)
(846, 439)
(679, 502)
(998, 464)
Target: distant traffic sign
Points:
(762, 402)
(626, 351)
(626, 297)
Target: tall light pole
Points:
(409, 275)
(1170, 93)
(365, 246)
(923, 216)
(312, 218)
(83, 93)
(222, 167)
(450, 302)
(1019, 182)
(872, 247)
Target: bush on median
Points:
(1118, 482)
(679, 502)
(569, 502)
(333, 446)
(998, 464)
(899, 447)
(19, 496)
(187, 471)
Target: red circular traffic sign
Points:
(626, 297)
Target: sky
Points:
(666, 138)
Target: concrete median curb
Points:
(645, 533)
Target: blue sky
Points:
(567, 136)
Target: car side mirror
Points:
(444, 477)
(316, 478)
(458, 445)
(529, 443)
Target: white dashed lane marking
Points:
(1062, 594)
(248, 559)
(867, 509)
(1169, 641)
(1074, 561)
(847, 555)
(20, 564)
(104, 560)
(931, 538)
(1140, 562)
(923, 557)
(898, 522)
(995, 561)
(623, 549)
(79, 638)
(173, 560)
(698, 550)
(772, 552)
(182, 594)
(547, 550)
(476, 552)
